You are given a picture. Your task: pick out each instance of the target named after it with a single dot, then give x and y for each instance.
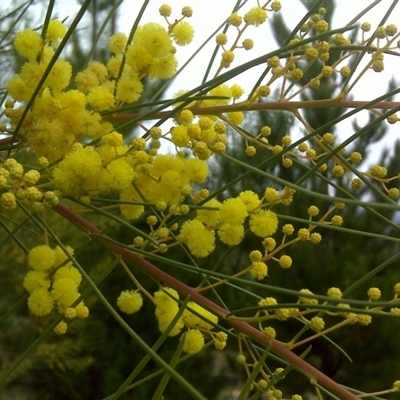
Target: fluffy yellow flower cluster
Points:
(113, 166)
(51, 285)
(19, 185)
(167, 306)
(227, 219)
(60, 117)
(205, 135)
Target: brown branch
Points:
(150, 269)
(270, 105)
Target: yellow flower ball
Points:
(40, 302)
(263, 223)
(194, 341)
(193, 321)
(182, 33)
(35, 280)
(41, 258)
(259, 270)
(231, 235)
(130, 301)
(199, 240)
(56, 30)
(209, 217)
(28, 43)
(233, 211)
(166, 309)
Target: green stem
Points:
(181, 287)
(269, 105)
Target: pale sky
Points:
(209, 15)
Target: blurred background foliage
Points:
(96, 355)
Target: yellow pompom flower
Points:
(236, 117)
(40, 302)
(256, 16)
(33, 194)
(250, 199)
(31, 177)
(303, 234)
(193, 341)
(363, 319)
(35, 280)
(78, 171)
(41, 258)
(259, 270)
(113, 139)
(182, 33)
(237, 91)
(193, 321)
(56, 30)
(196, 170)
(269, 333)
(271, 195)
(235, 19)
(162, 67)
(233, 211)
(60, 75)
(199, 240)
(70, 313)
(334, 292)
(63, 286)
(263, 223)
(186, 117)
(307, 300)
(221, 90)
(18, 89)
(137, 58)
(86, 80)
(101, 99)
(31, 73)
(28, 43)
(317, 324)
(130, 301)
(268, 301)
(68, 271)
(99, 69)
(121, 174)
(231, 235)
(82, 311)
(61, 328)
(179, 136)
(219, 345)
(285, 262)
(61, 256)
(129, 88)
(130, 211)
(8, 201)
(374, 293)
(255, 255)
(221, 336)
(154, 38)
(117, 43)
(66, 300)
(227, 58)
(187, 11)
(205, 123)
(165, 10)
(166, 309)
(209, 217)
